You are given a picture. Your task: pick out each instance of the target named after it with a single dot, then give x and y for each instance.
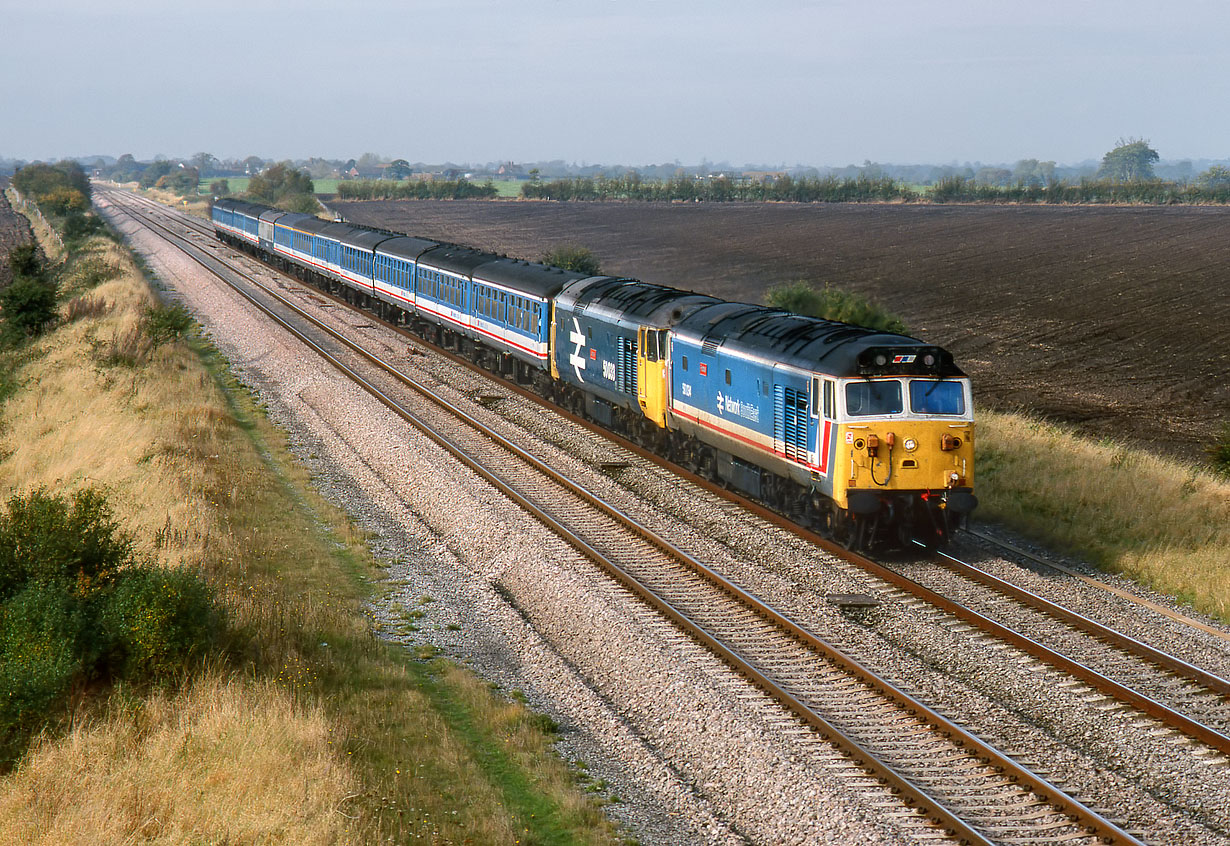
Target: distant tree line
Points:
(958, 189)
(425, 189)
(785, 188)
(1125, 176)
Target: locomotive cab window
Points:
(864, 399)
(684, 362)
(936, 397)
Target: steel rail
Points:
(1190, 622)
(1175, 665)
(1098, 681)
(1030, 782)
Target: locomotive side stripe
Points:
(745, 435)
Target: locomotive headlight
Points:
(910, 444)
(881, 360)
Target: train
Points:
(863, 435)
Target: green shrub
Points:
(156, 621)
(90, 272)
(573, 257)
(166, 323)
(1219, 451)
(46, 539)
(802, 298)
(26, 260)
(78, 226)
(27, 307)
(76, 606)
(41, 635)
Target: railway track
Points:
(964, 786)
(704, 612)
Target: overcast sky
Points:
(830, 82)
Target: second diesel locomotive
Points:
(864, 435)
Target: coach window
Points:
(727, 377)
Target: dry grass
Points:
(1160, 522)
(196, 206)
(327, 735)
(236, 761)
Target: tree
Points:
(994, 176)
(126, 169)
(204, 163)
(252, 165)
(155, 171)
(1130, 161)
(278, 182)
(400, 169)
(1218, 176)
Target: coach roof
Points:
(539, 280)
(455, 259)
(405, 246)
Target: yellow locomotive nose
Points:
(928, 455)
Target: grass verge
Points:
(307, 728)
(1155, 520)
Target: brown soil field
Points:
(1114, 319)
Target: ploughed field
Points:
(1116, 319)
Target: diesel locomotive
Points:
(866, 436)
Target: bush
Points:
(47, 540)
(41, 635)
(76, 606)
(166, 323)
(1219, 451)
(573, 257)
(90, 272)
(802, 298)
(26, 260)
(156, 621)
(28, 306)
(78, 226)
(301, 203)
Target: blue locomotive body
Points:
(854, 431)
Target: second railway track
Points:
(988, 798)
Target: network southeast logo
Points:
(577, 337)
(728, 404)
